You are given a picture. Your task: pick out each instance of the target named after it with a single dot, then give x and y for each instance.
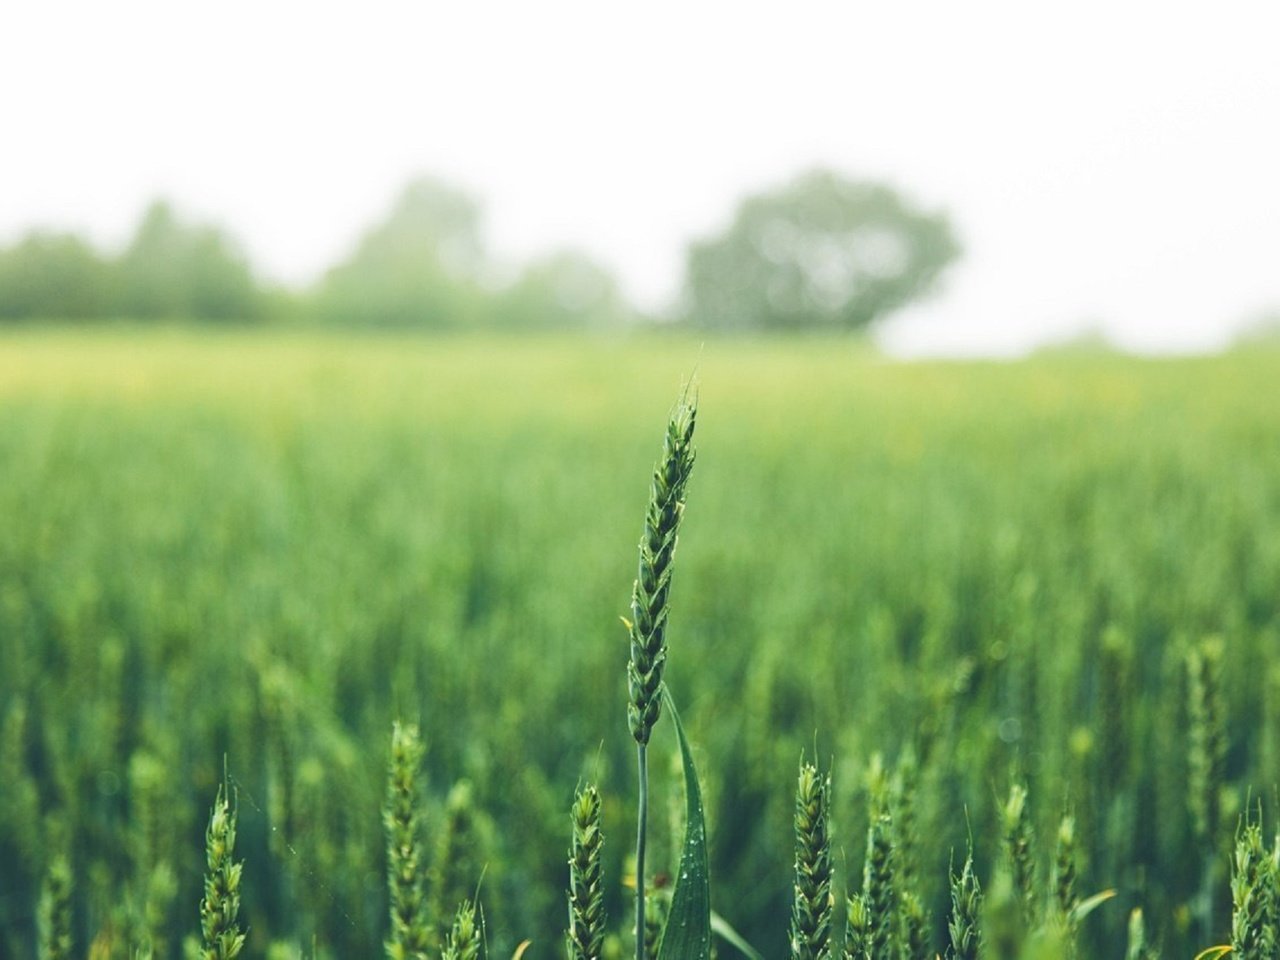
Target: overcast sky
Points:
(1111, 164)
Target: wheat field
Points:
(238, 558)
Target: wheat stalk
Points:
(914, 923)
(965, 923)
(1253, 914)
(1016, 818)
(463, 942)
(53, 919)
(410, 934)
(456, 861)
(585, 935)
(1064, 867)
(223, 939)
(878, 894)
(858, 930)
(811, 903)
(650, 607)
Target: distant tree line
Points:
(821, 252)
(169, 270)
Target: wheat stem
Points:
(410, 932)
(650, 601)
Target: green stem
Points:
(642, 761)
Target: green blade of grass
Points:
(688, 932)
(722, 929)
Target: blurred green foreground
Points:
(265, 548)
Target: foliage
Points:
(423, 267)
(821, 252)
(170, 270)
(418, 268)
(48, 275)
(565, 290)
(175, 271)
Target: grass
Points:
(269, 547)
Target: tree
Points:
(172, 270)
(54, 276)
(565, 290)
(418, 268)
(823, 252)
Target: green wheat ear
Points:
(965, 925)
(223, 939)
(54, 915)
(1138, 948)
(410, 933)
(879, 895)
(463, 942)
(649, 611)
(650, 595)
(1016, 817)
(585, 935)
(811, 906)
(858, 931)
(1253, 915)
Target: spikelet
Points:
(914, 936)
(54, 917)
(1018, 847)
(1064, 867)
(409, 937)
(220, 907)
(1207, 746)
(457, 851)
(463, 942)
(965, 924)
(585, 936)
(858, 929)
(811, 904)
(651, 593)
(1253, 928)
(878, 892)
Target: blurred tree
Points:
(823, 252)
(565, 290)
(419, 268)
(175, 271)
(54, 276)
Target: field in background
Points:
(266, 547)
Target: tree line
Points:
(819, 252)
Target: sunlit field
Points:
(242, 555)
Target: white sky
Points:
(1114, 164)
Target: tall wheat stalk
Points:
(585, 935)
(220, 907)
(965, 924)
(1019, 849)
(463, 942)
(1206, 760)
(650, 607)
(811, 902)
(54, 914)
(1253, 915)
(410, 932)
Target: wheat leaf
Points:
(688, 932)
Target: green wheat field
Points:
(233, 560)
